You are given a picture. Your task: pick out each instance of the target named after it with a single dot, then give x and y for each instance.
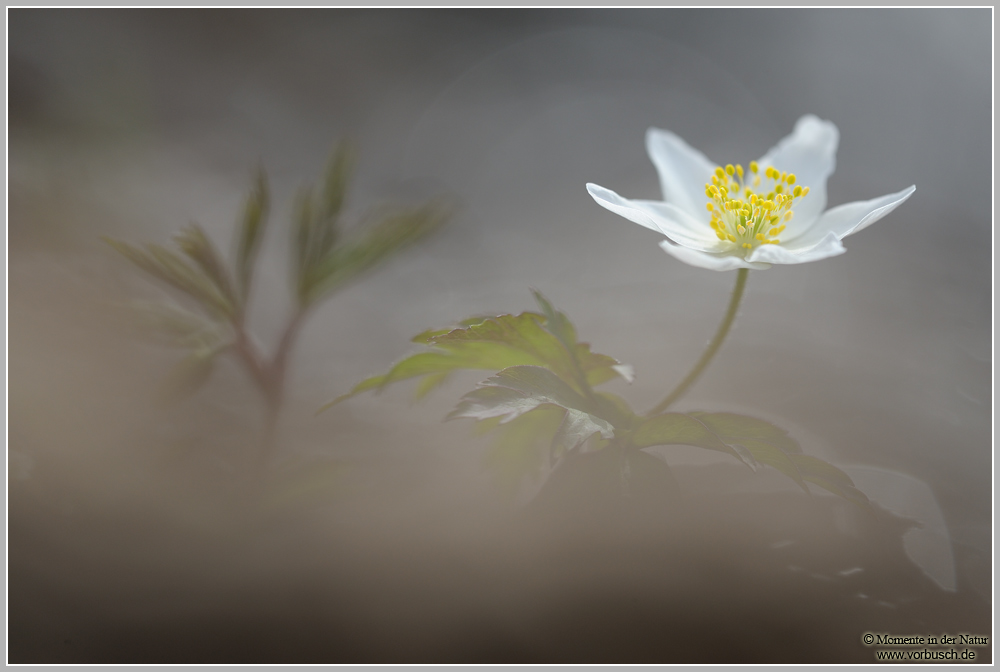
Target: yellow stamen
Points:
(745, 211)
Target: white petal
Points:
(683, 170)
(714, 262)
(662, 217)
(810, 153)
(830, 246)
(850, 218)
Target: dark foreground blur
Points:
(134, 537)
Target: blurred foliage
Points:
(544, 411)
(324, 260)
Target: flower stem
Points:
(713, 347)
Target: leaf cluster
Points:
(543, 407)
(325, 257)
(324, 260)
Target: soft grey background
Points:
(133, 123)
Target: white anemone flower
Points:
(723, 218)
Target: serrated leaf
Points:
(518, 337)
(520, 450)
(767, 453)
(768, 443)
(192, 280)
(317, 226)
(595, 368)
(739, 427)
(830, 478)
(170, 268)
(574, 429)
(491, 344)
(173, 324)
(556, 322)
(304, 218)
(369, 247)
(425, 337)
(196, 245)
(680, 429)
(494, 402)
(474, 356)
(335, 184)
(520, 389)
(252, 226)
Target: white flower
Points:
(726, 218)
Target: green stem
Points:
(713, 347)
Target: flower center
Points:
(752, 212)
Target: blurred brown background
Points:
(386, 539)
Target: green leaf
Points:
(495, 343)
(829, 477)
(304, 224)
(739, 427)
(253, 224)
(335, 183)
(197, 246)
(768, 443)
(425, 337)
(625, 417)
(680, 429)
(575, 429)
(521, 449)
(317, 224)
(594, 368)
(475, 356)
(557, 323)
(520, 337)
(170, 268)
(369, 247)
(174, 325)
(520, 389)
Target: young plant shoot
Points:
(325, 258)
